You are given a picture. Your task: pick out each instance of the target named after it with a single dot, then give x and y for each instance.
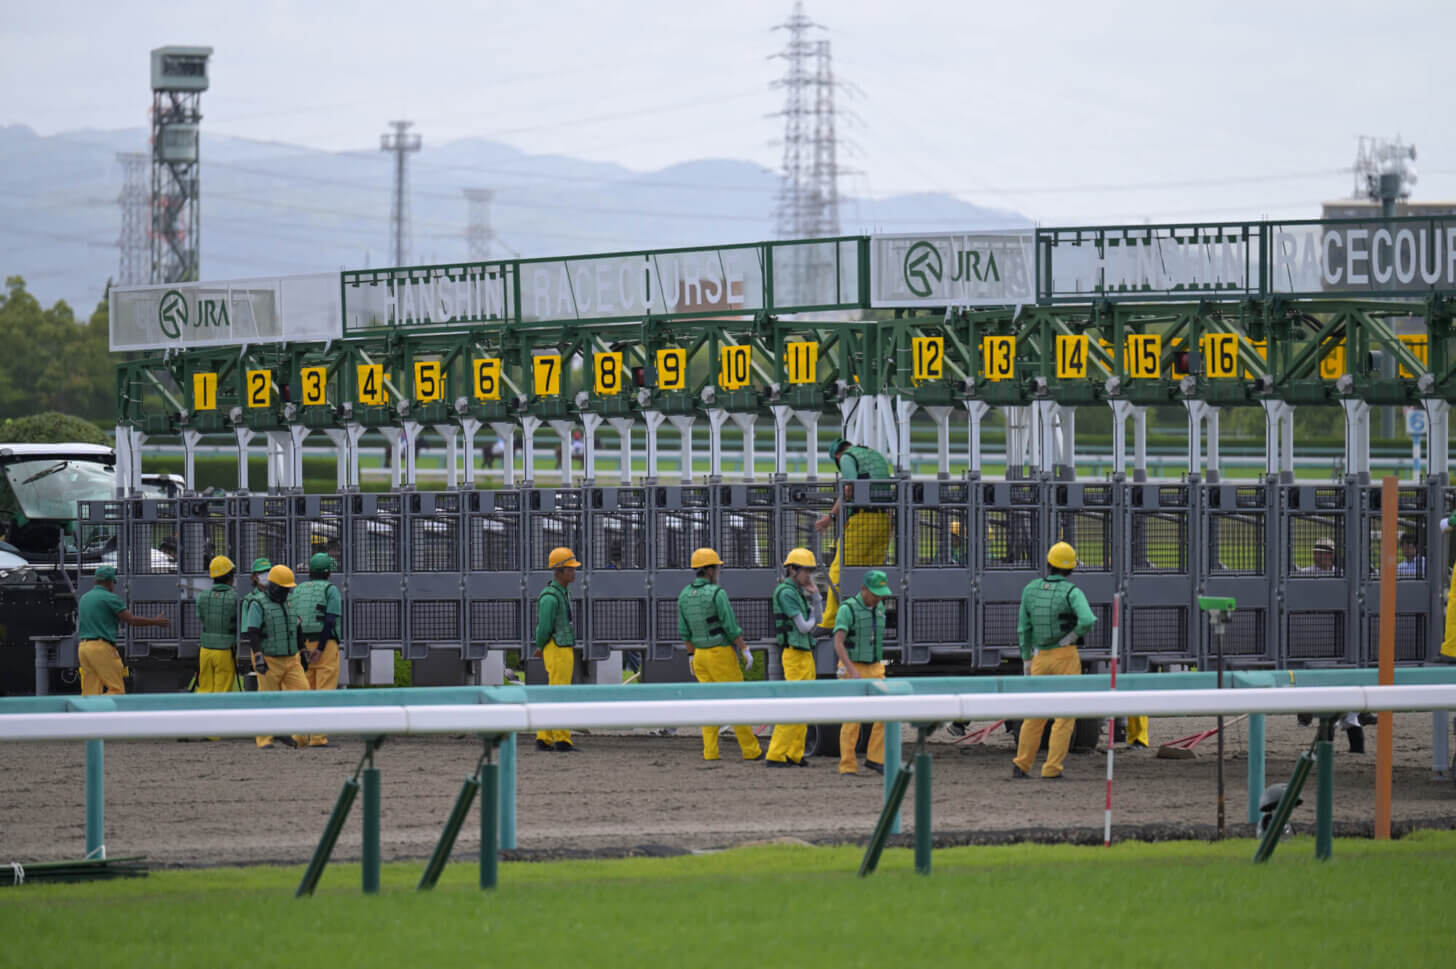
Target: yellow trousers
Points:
(323, 675)
(560, 666)
(849, 732)
(787, 742)
(719, 664)
(101, 669)
(283, 673)
(215, 670)
(1137, 730)
(1061, 661)
(866, 541)
(1448, 642)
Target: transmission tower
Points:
(135, 200)
(402, 144)
(478, 234)
(179, 76)
(1385, 172)
(807, 203)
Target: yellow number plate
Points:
(429, 383)
(260, 388)
(546, 374)
(487, 379)
(608, 367)
(1144, 351)
(1071, 356)
(801, 361)
(733, 367)
(928, 358)
(371, 384)
(204, 391)
(1000, 357)
(315, 381)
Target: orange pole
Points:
(1385, 724)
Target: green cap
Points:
(261, 565)
(877, 583)
(321, 562)
(839, 442)
(107, 573)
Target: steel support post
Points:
(1438, 413)
(1210, 421)
(810, 420)
(976, 411)
(940, 414)
(451, 434)
(1278, 420)
(339, 438)
(589, 424)
(1121, 411)
(623, 426)
(356, 433)
(277, 464)
(506, 432)
(1440, 744)
(244, 435)
(408, 442)
(190, 440)
(1324, 804)
(508, 793)
(717, 417)
(1357, 440)
(1257, 774)
(922, 812)
(489, 824)
(904, 410)
(392, 437)
(369, 852)
(1197, 410)
(684, 424)
(1067, 469)
(654, 420)
(297, 433)
(1139, 444)
(469, 427)
(781, 414)
(124, 458)
(746, 422)
(893, 742)
(529, 426)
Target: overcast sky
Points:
(1067, 111)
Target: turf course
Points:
(1182, 904)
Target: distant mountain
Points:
(277, 209)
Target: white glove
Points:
(747, 657)
(1445, 524)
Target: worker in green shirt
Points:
(258, 580)
(217, 615)
(859, 642)
(556, 637)
(797, 607)
(318, 609)
(1053, 618)
(273, 643)
(97, 615)
(714, 641)
(866, 538)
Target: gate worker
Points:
(866, 538)
(96, 624)
(258, 578)
(273, 639)
(714, 641)
(797, 608)
(859, 642)
(556, 637)
(217, 614)
(1054, 616)
(316, 607)
(1448, 642)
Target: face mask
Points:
(261, 581)
(278, 593)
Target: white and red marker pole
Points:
(1112, 721)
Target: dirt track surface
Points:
(188, 804)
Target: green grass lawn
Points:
(1169, 905)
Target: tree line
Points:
(52, 361)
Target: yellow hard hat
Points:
(561, 558)
(704, 557)
(801, 557)
(281, 575)
(1062, 556)
(220, 566)
(955, 526)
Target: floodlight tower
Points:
(179, 76)
(1385, 172)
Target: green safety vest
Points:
(562, 632)
(698, 606)
(871, 464)
(864, 639)
(788, 633)
(1048, 604)
(308, 604)
(279, 638)
(217, 610)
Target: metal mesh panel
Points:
(1245, 635)
(869, 536)
(1173, 496)
(1012, 538)
(941, 536)
(1100, 637)
(1316, 635)
(803, 505)
(154, 607)
(495, 542)
(892, 620)
(1159, 629)
(322, 534)
(746, 540)
(667, 621)
(998, 624)
(495, 621)
(152, 548)
(1024, 494)
(678, 533)
(940, 622)
(374, 543)
(1236, 543)
(1410, 551)
(1251, 497)
(755, 615)
(435, 543)
(1160, 542)
(376, 620)
(619, 540)
(1090, 533)
(201, 540)
(1097, 494)
(98, 540)
(1307, 529)
(262, 539)
(435, 621)
(619, 620)
(191, 622)
(1410, 637)
(553, 530)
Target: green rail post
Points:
(1324, 803)
(95, 799)
(325, 847)
(892, 744)
(1270, 841)
(490, 812)
(453, 824)
(508, 793)
(882, 827)
(1257, 774)
(922, 811)
(370, 853)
